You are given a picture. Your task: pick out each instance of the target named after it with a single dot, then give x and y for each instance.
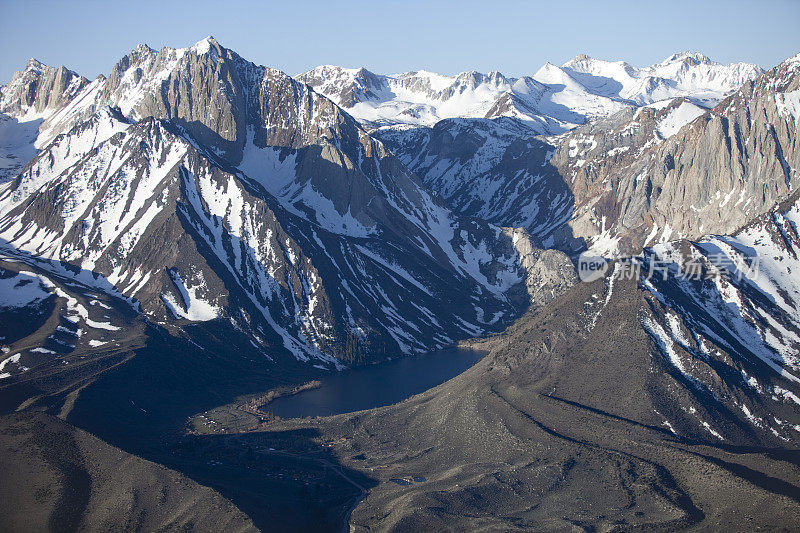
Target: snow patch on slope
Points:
(192, 306)
(677, 118)
(22, 290)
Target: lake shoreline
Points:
(371, 386)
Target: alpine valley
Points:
(193, 236)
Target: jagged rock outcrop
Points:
(347, 87)
(32, 95)
(39, 88)
(549, 272)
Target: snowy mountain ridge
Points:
(687, 74)
(680, 172)
(552, 100)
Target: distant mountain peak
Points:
(143, 48)
(34, 64)
(583, 62)
(689, 56)
(205, 45)
(579, 57)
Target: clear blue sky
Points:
(514, 37)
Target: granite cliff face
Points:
(31, 96)
(39, 89)
(636, 180)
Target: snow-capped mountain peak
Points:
(599, 67)
(688, 57)
(553, 100)
(686, 74)
(551, 74)
(143, 48)
(204, 44)
(34, 65)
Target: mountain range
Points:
(235, 193)
(553, 100)
(194, 228)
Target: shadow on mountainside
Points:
(519, 188)
(143, 407)
(284, 480)
(140, 401)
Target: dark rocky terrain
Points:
(565, 426)
(59, 478)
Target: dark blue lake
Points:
(376, 385)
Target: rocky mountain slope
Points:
(59, 477)
(492, 169)
(200, 187)
(648, 398)
(637, 179)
